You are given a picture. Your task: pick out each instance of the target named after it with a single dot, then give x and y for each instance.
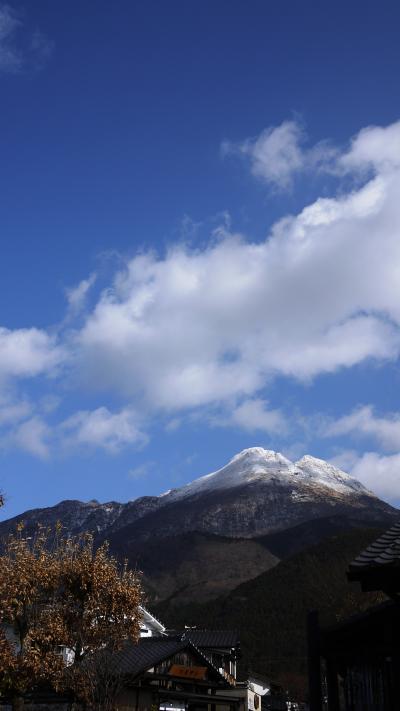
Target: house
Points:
(361, 655)
(257, 692)
(171, 673)
(189, 670)
(378, 566)
(186, 670)
(222, 647)
(192, 670)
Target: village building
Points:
(190, 670)
(361, 655)
(170, 673)
(172, 670)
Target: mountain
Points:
(270, 610)
(255, 545)
(198, 567)
(262, 466)
(203, 539)
(79, 516)
(257, 493)
(195, 566)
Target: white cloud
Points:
(379, 473)
(10, 57)
(141, 471)
(254, 415)
(374, 146)
(199, 327)
(32, 436)
(363, 423)
(20, 51)
(102, 428)
(275, 155)
(49, 403)
(345, 460)
(23, 427)
(278, 154)
(27, 352)
(13, 411)
(77, 295)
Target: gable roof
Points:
(137, 658)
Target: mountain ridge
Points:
(202, 540)
(257, 492)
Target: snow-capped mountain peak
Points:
(257, 492)
(260, 456)
(266, 466)
(320, 471)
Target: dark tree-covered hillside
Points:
(270, 610)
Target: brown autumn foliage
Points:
(59, 592)
(27, 584)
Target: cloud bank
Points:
(196, 327)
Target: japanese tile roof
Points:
(207, 639)
(385, 551)
(136, 658)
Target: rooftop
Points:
(378, 566)
(136, 658)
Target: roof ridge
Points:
(224, 676)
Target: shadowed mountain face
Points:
(270, 610)
(195, 566)
(205, 538)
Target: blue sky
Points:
(200, 242)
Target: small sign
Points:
(188, 672)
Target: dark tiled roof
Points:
(385, 551)
(136, 658)
(208, 639)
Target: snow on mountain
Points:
(263, 465)
(258, 492)
(317, 471)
